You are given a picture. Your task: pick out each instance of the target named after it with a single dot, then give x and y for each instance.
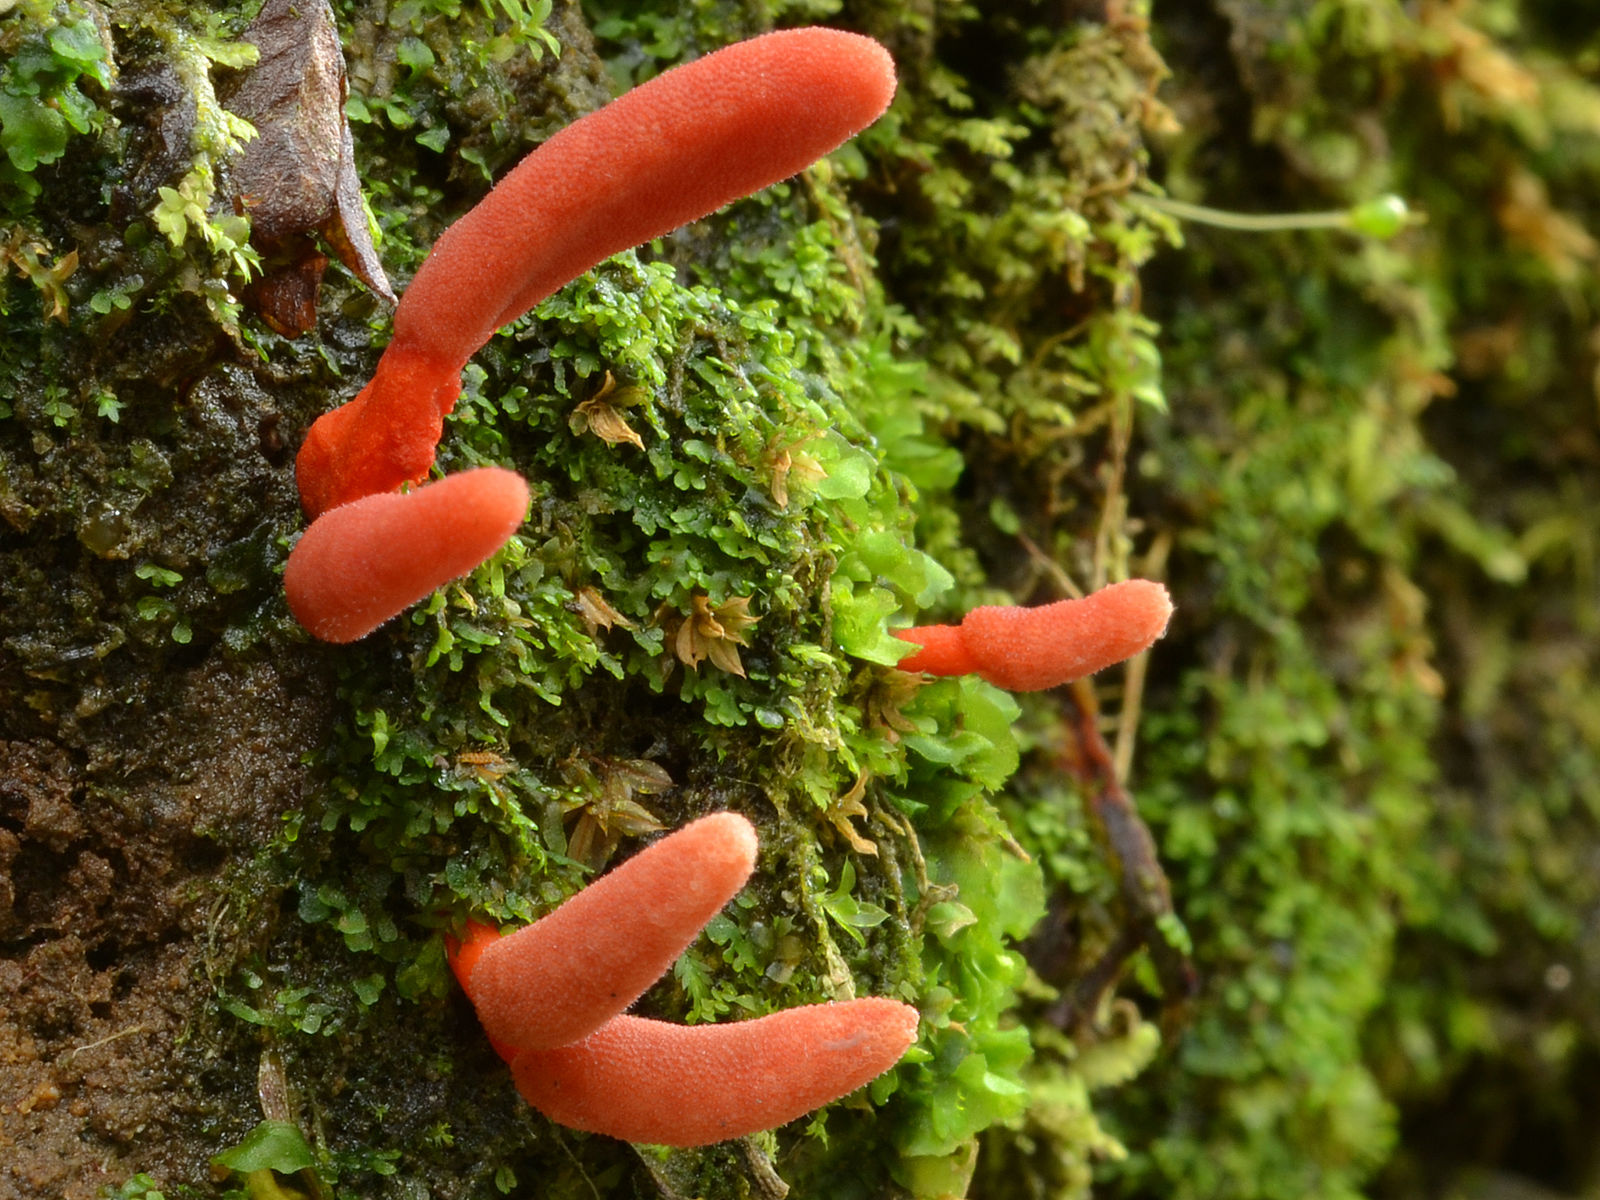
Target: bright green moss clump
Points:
(46, 52)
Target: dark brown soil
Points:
(113, 878)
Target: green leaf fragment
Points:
(270, 1146)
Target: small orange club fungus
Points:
(551, 998)
(369, 560)
(1029, 649)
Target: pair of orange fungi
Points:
(670, 151)
(551, 998)
(1029, 649)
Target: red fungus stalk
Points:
(691, 1085)
(561, 978)
(1028, 649)
(364, 562)
(668, 152)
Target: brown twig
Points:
(1155, 567)
(1145, 894)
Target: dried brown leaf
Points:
(600, 414)
(847, 807)
(1527, 216)
(24, 255)
(787, 461)
(714, 633)
(297, 177)
(604, 789)
(885, 699)
(596, 613)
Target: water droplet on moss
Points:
(102, 532)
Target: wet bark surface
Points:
(118, 862)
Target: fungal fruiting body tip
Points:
(1028, 649)
(558, 980)
(941, 650)
(671, 151)
(362, 563)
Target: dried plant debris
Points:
(297, 178)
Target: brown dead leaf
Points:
(596, 613)
(1470, 59)
(1527, 216)
(789, 460)
(48, 278)
(606, 789)
(848, 806)
(297, 177)
(600, 414)
(714, 633)
(884, 700)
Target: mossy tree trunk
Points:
(960, 362)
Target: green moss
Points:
(50, 53)
(786, 459)
(959, 362)
(717, 397)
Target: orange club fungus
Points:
(1029, 649)
(364, 562)
(670, 151)
(551, 997)
(691, 1085)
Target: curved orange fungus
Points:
(551, 998)
(1028, 649)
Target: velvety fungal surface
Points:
(561, 978)
(670, 151)
(550, 997)
(691, 1085)
(362, 563)
(963, 349)
(383, 438)
(1029, 649)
